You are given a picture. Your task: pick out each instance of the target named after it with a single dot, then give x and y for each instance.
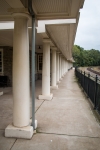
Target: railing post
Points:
(95, 94)
(81, 77)
(88, 85)
(84, 81)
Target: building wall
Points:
(7, 63)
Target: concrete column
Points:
(57, 67)
(46, 71)
(72, 64)
(63, 65)
(66, 66)
(53, 76)
(21, 91)
(60, 66)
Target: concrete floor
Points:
(64, 123)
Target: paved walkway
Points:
(64, 123)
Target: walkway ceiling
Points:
(57, 9)
(62, 35)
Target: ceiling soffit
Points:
(56, 9)
(7, 7)
(4, 7)
(62, 35)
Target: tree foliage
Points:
(86, 57)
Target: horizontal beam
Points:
(42, 23)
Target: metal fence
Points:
(91, 86)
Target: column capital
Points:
(53, 48)
(21, 15)
(61, 54)
(58, 52)
(46, 40)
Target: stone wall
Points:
(7, 63)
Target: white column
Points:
(57, 66)
(21, 91)
(72, 64)
(60, 66)
(66, 66)
(63, 66)
(53, 76)
(46, 71)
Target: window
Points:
(40, 59)
(1, 60)
(35, 63)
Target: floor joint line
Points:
(39, 106)
(68, 135)
(13, 144)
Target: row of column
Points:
(21, 127)
(59, 67)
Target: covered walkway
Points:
(64, 123)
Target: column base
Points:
(58, 82)
(54, 87)
(1, 93)
(15, 132)
(61, 78)
(45, 97)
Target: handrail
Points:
(91, 86)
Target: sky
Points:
(88, 31)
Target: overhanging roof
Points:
(62, 35)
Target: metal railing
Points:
(91, 86)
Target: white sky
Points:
(88, 31)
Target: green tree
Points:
(86, 57)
